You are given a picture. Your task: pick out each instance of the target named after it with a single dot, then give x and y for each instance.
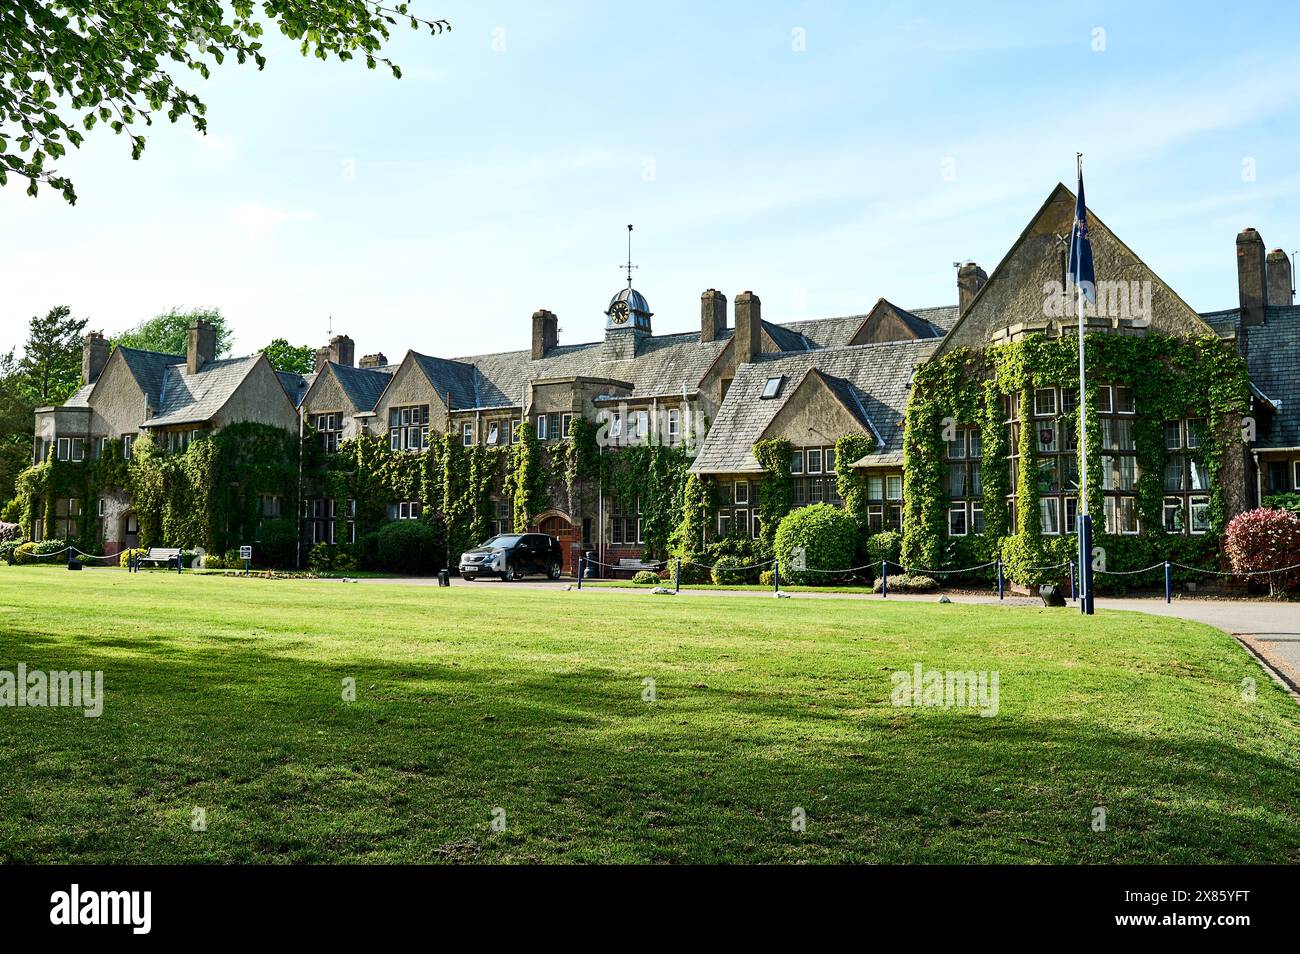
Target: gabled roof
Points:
(361, 385)
(873, 377)
(195, 398)
(454, 380)
(148, 368)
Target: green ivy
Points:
(775, 487)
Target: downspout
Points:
(297, 560)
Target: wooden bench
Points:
(162, 555)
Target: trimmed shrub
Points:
(1287, 501)
(409, 546)
(696, 569)
(727, 571)
(366, 550)
(887, 545)
(25, 553)
(767, 578)
(331, 558)
(8, 547)
(124, 558)
(213, 561)
(907, 583)
(1265, 540)
(28, 552)
(279, 546)
(819, 537)
(646, 578)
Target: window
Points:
(1120, 472)
(742, 492)
(328, 427)
(405, 510)
(724, 524)
(813, 461)
(494, 432)
(830, 460)
(796, 462)
(467, 434)
(742, 523)
(1296, 465)
(772, 388)
(755, 526)
(408, 427)
(894, 487)
(957, 521)
(514, 430)
(102, 508)
(566, 426)
(875, 518)
(1185, 508)
(625, 524)
(615, 424)
(957, 446)
(128, 444)
(1045, 402)
(64, 448)
(674, 425)
(1049, 516)
(504, 521)
(270, 505)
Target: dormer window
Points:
(772, 388)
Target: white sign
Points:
(245, 553)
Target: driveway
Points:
(1270, 630)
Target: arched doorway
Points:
(560, 526)
(128, 534)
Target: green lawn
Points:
(224, 693)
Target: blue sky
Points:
(497, 177)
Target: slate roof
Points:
(663, 365)
(79, 397)
(149, 368)
(295, 385)
(875, 376)
(454, 379)
(838, 332)
(362, 385)
(1273, 357)
(194, 398)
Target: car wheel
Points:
(511, 574)
(554, 570)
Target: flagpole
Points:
(1084, 528)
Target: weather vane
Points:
(629, 266)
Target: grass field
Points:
(225, 694)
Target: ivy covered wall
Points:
(1171, 379)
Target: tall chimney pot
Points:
(201, 347)
(970, 279)
(749, 328)
(713, 315)
(1251, 284)
(94, 355)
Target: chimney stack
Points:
(970, 279)
(376, 360)
(322, 358)
(1251, 284)
(1278, 269)
(201, 348)
(342, 350)
(546, 332)
(94, 355)
(749, 328)
(713, 315)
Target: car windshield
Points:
(503, 541)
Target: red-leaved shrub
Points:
(1263, 539)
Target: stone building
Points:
(738, 379)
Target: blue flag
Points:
(1081, 272)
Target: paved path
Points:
(1270, 629)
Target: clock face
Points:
(618, 312)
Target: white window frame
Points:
(1038, 412)
(724, 524)
(889, 484)
(796, 463)
(1054, 504)
(1199, 502)
(63, 448)
(674, 425)
(955, 510)
(808, 457)
(738, 498)
(514, 429)
(102, 506)
(467, 434)
(494, 433)
(566, 425)
(128, 445)
(1132, 400)
(541, 426)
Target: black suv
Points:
(513, 555)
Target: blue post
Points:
(677, 576)
(180, 561)
(999, 578)
(884, 579)
(580, 559)
(1169, 592)
(1073, 594)
(776, 576)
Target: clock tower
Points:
(627, 317)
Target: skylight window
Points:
(772, 388)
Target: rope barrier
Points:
(965, 569)
(1197, 569)
(730, 569)
(1154, 566)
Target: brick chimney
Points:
(749, 328)
(94, 354)
(713, 315)
(546, 332)
(1251, 284)
(201, 348)
(1278, 268)
(376, 360)
(342, 350)
(322, 358)
(970, 279)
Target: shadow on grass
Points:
(585, 770)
